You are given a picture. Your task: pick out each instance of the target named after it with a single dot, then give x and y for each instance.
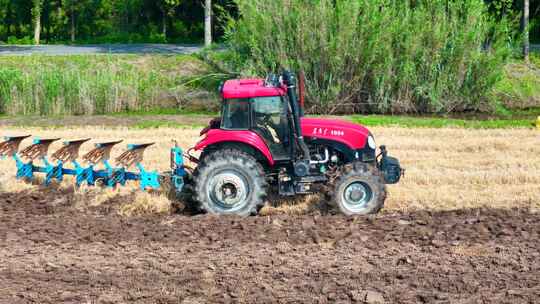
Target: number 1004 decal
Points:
(326, 131)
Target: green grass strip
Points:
(154, 124)
(436, 122)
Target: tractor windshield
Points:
(267, 117)
(235, 114)
(270, 120)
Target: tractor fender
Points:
(241, 137)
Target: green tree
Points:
(5, 14)
(168, 8)
(526, 29)
(71, 7)
(208, 22)
(37, 5)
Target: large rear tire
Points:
(359, 190)
(230, 181)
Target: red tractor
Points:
(262, 142)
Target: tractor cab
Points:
(266, 116)
(261, 107)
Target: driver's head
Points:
(240, 107)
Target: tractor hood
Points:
(353, 135)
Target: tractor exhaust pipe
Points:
(289, 79)
(301, 91)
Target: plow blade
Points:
(101, 153)
(70, 151)
(38, 149)
(133, 155)
(10, 146)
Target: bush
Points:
(520, 88)
(26, 40)
(157, 38)
(94, 84)
(376, 55)
(126, 38)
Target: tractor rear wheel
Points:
(359, 190)
(230, 181)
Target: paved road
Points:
(99, 49)
(114, 49)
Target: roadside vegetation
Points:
(159, 85)
(494, 122)
(408, 57)
(520, 86)
(103, 84)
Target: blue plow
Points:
(64, 162)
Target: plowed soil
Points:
(54, 252)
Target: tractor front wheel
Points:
(359, 190)
(230, 182)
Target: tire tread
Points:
(368, 172)
(247, 161)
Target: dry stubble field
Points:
(445, 168)
(461, 227)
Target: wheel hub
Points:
(228, 189)
(356, 196)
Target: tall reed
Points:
(376, 55)
(90, 84)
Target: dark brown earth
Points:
(52, 252)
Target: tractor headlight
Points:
(371, 142)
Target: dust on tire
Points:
(366, 175)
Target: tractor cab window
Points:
(271, 122)
(235, 114)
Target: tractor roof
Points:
(247, 88)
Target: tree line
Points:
(102, 21)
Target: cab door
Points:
(270, 120)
